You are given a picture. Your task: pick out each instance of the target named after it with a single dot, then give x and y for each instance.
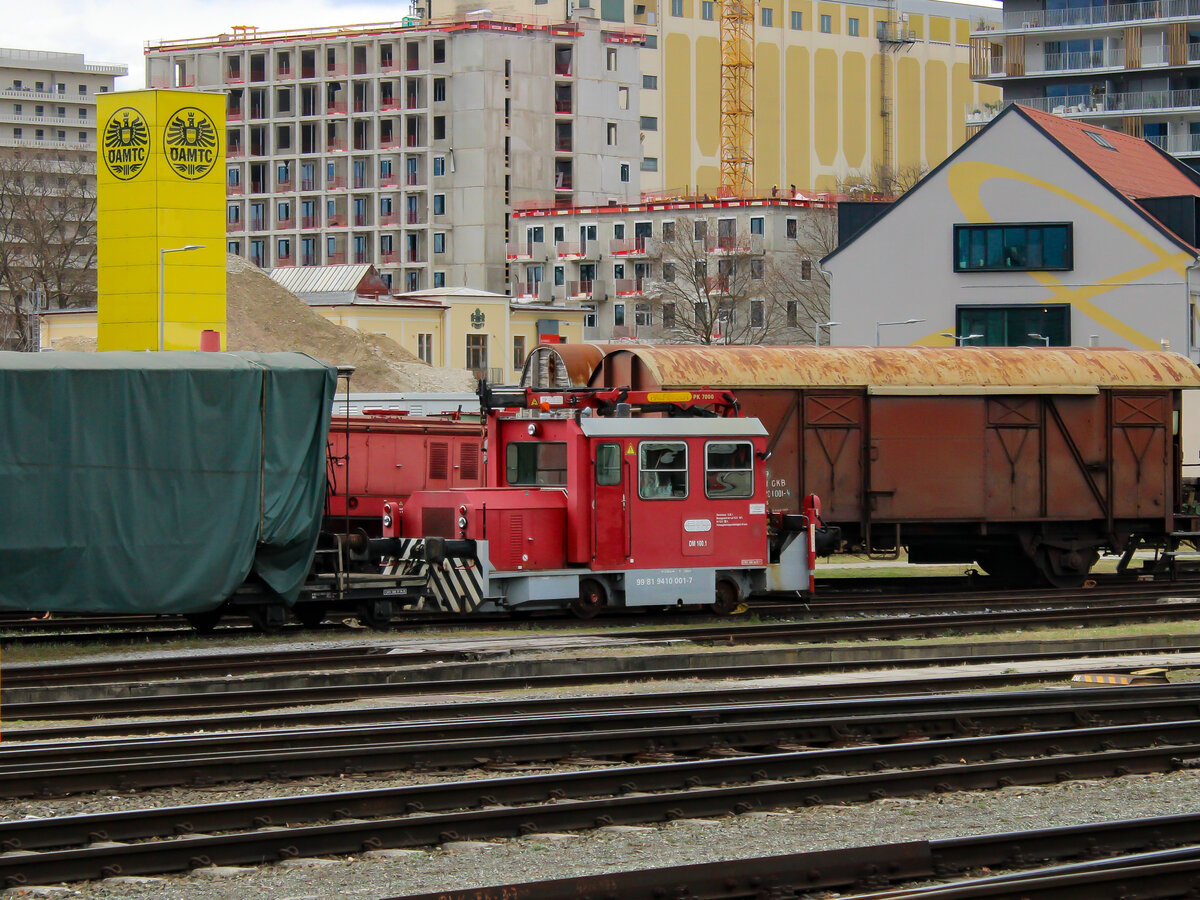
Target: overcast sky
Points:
(114, 32)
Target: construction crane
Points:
(737, 97)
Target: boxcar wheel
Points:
(1066, 568)
(205, 622)
(591, 599)
(729, 598)
(375, 614)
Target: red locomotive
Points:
(589, 507)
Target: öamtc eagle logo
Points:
(125, 143)
(190, 143)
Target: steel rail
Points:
(913, 692)
(76, 766)
(681, 790)
(228, 699)
(860, 868)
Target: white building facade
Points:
(406, 145)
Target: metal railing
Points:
(1117, 13)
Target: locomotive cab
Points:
(589, 511)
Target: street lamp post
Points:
(959, 338)
(162, 262)
(817, 326)
(1040, 337)
(879, 325)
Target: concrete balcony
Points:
(1102, 106)
(285, 224)
(638, 246)
(336, 259)
(525, 250)
(627, 287)
(235, 227)
(234, 190)
(283, 261)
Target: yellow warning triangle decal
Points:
(629, 450)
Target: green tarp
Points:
(158, 482)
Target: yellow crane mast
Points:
(737, 97)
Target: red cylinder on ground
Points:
(210, 341)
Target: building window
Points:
(425, 348)
(826, 24)
(649, 123)
(768, 17)
(650, 164)
(439, 128)
(677, 7)
(1013, 247)
(439, 204)
(439, 90)
(668, 232)
(439, 242)
(650, 82)
(589, 318)
(662, 470)
(612, 133)
(797, 20)
(618, 315)
(83, 137)
(439, 166)
(560, 276)
(518, 352)
(283, 249)
(439, 51)
(477, 354)
(1024, 325)
(756, 224)
(17, 133)
(642, 314)
(806, 270)
(757, 266)
(234, 247)
(699, 230)
(758, 315)
(439, 279)
(611, 59)
(82, 90)
(625, 173)
(668, 315)
(623, 98)
(793, 313)
(852, 27)
(706, 9)
(790, 228)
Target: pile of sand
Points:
(261, 315)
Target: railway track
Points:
(1160, 872)
(189, 699)
(42, 768)
(176, 839)
(906, 595)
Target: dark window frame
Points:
(1068, 249)
(728, 481)
(650, 476)
(963, 312)
(526, 461)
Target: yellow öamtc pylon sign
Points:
(160, 173)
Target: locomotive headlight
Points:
(532, 429)
(462, 521)
(387, 519)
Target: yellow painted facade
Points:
(817, 95)
(160, 173)
(446, 328)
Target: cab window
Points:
(729, 469)
(662, 470)
(536, 463)
(608, 464)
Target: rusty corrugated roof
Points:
(942, 367)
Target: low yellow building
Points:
(464, 328)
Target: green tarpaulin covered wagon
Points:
(158, 482)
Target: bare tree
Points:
(47, 237)
(796, 274)
(721, 289)
(882, 182)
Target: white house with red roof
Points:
(1037, 231)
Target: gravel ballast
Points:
(536, 857)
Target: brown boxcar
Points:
(1027, 461)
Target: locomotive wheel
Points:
(1065, 568)
(591, 599)
(310, 615)
(205, 622)
(729, 598)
